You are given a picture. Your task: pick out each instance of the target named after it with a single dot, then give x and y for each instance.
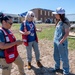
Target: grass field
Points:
(47, 33)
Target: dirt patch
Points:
(46, 52)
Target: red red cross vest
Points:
(25, 37)
(10, 53)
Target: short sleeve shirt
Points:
(2, 39)
(66, 25)
(30, 27)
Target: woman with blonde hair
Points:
(29, 36)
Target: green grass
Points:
(15, 26)
(47, 33)
(71, 44)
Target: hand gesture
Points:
(27, 33)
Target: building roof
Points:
(41, 9)
(13, 15)
(24, 13)
(71, 17)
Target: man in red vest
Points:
(8, 47)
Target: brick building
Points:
(40, 14)
(43, 14)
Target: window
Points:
(45, 12)
(51, 14)
(48, 13)
(15, 19)
(41, 12)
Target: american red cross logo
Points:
(31, 26)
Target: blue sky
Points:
(20, 6)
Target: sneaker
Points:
(39, 64)
(29, 65)
(55, 70)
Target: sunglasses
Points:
(32, 15)
(10, 23)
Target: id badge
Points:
(11, 56)
(32, 34)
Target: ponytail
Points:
(5, 18)
(1, 16)
(64, 19)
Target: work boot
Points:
(29, 65)
(39, 64)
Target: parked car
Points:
(38, 22)
(47, 21)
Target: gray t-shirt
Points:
(67, 24)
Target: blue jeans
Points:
(61, 53)
(33, 44)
